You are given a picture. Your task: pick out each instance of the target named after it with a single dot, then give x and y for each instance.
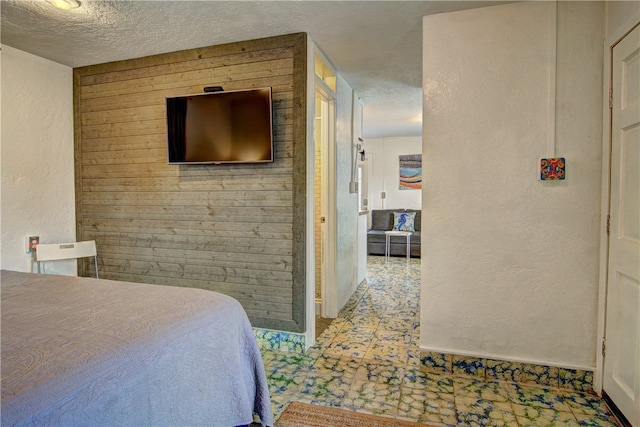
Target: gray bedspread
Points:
(88, 352)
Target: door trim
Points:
(616, 36)
(328, 285)
(329, 307)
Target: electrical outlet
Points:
(32, 241)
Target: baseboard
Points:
(499, 357)
(505, 370)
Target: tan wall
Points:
(236, 229)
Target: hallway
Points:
(368, 360)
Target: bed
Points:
(90, 352)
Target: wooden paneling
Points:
(235, 229)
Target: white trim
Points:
(329, 305)
(504, 358)
(611, 41)
(310, 314)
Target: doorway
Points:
(324, 178)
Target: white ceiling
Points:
(376, 46)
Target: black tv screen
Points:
(221, 127)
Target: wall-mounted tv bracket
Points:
(213, 89)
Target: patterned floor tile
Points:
(361, 323)
(283, 383)
(473, 412)
(538, 397)
(606, 420)
(482, 390)
(371, 311)
(373, 397)
(278, 404)
(413, 360)
(324, 389)
(426, 406)
(328, 365)
(291, 361)
(284, 379)
(399, 323)
(531, 416)
(393, 336)
(348, 349)
(386, 351)
(381, 372)
(404, 311)
(584, 403)
(437, 383)
(368, 359)
(317, 350)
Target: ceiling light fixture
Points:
(65, 4)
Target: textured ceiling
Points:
(376, 46)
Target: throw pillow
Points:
(404, 221)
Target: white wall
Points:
(36, 157)
(383, 162)
(510, 265)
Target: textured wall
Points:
(37, 157)
(510, 267)
(236, 229)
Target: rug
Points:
(299, 414)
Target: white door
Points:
(621, 380)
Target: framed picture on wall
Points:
(410, 171)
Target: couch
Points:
(381, 221)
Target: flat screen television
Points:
(221, 127)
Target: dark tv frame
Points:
(181, 128)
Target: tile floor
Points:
(367, 360)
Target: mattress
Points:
(89, 352)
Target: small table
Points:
(387, 246)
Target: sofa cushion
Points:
(375, 236)
(403, 221)
(382, 219)
(417, 223)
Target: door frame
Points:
(328, 196)
(312, 85)
(616, 36)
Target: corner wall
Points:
(36, 157)
(510, 269)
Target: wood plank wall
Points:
(236, 229)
